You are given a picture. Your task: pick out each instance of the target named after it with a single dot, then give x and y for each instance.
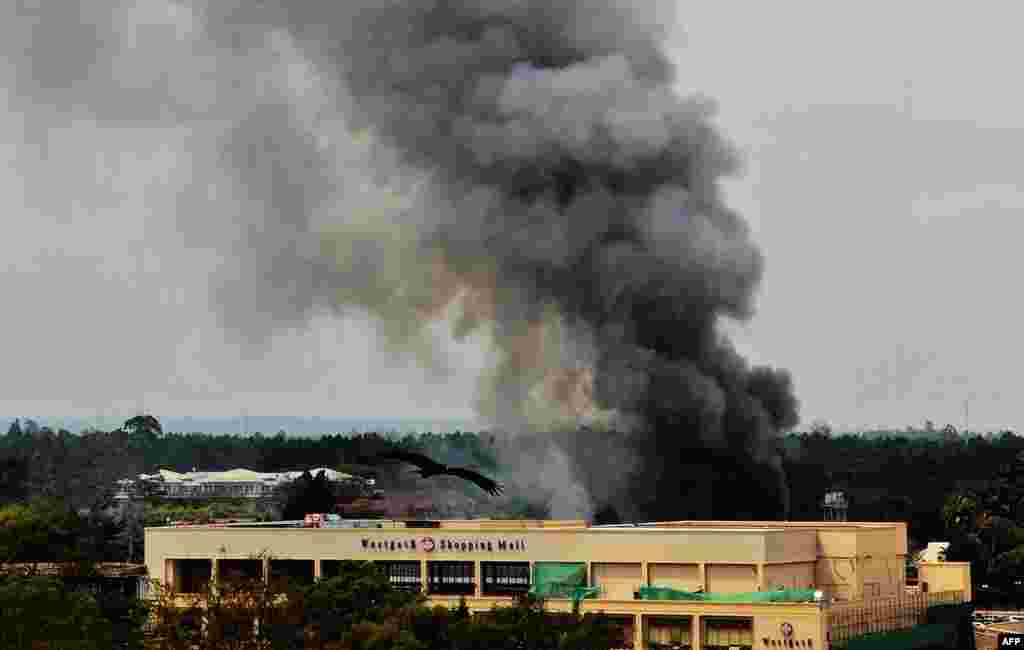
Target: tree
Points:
(14, 470)
(308, 495)
(360, 592)
(1007, 569)
(950, 434)
(821, 428)
(143, 424)
(960, 513)
(37, 610)
(238, 614)
(44, 530)
(15, 429)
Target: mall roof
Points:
(240, 475)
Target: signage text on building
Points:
(443, 545)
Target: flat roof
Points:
(559, 525)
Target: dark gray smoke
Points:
(569, 177)
(553, 196)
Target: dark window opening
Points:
(291, 572)
(230, 571)
(505, 578)
(192, 576)
(451, 578)
(330, 569)
(402, 574)
(624, 628)
(726, 633)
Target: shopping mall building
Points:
(680, 584)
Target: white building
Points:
(231, 483)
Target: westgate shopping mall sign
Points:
(443, 544)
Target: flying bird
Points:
(428, 468)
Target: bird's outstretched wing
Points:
(487, 485)
(412, 458)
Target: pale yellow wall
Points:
(878, 541)
(726, 578)
(791, 576)
(783, 545)
(837, 543)
(881, 576)
(838, 576)
(617, 581)
(543, 544)
(946, 576)
(730, 551)
(676, 576)
(807, 626)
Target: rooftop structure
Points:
(835, 506)
(934, 552)
(237, 482)
(685, 584)
(126, 578)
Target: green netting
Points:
(777, 596)
(561, 580)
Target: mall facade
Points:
(856, 572)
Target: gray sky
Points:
(882, 181)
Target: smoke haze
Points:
(524, 174)
(575, 196)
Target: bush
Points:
(37, 609)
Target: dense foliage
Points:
(886, 475)
(75, 610)
(37, 609)
(892, 476)
(359, 610)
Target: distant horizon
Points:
(323, 425)
(250, 424)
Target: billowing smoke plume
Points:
(545, 190)
(573, 205)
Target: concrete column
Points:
(760, 576)
(215, 575)
(478, 579)
(266, 570)
(645, 574)
(856, 579)
(170, 576)
(702, 572)
(638, 631)
(318, 570)
(424, 578)
(695, 633)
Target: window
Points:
(668, 633)
(725, 633)
(505, 578)
(451, 578)
(403, 574)
(192, 576)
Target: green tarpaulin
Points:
(561, 580)
(777, 596)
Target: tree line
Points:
(887, 476)
(359, 609)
